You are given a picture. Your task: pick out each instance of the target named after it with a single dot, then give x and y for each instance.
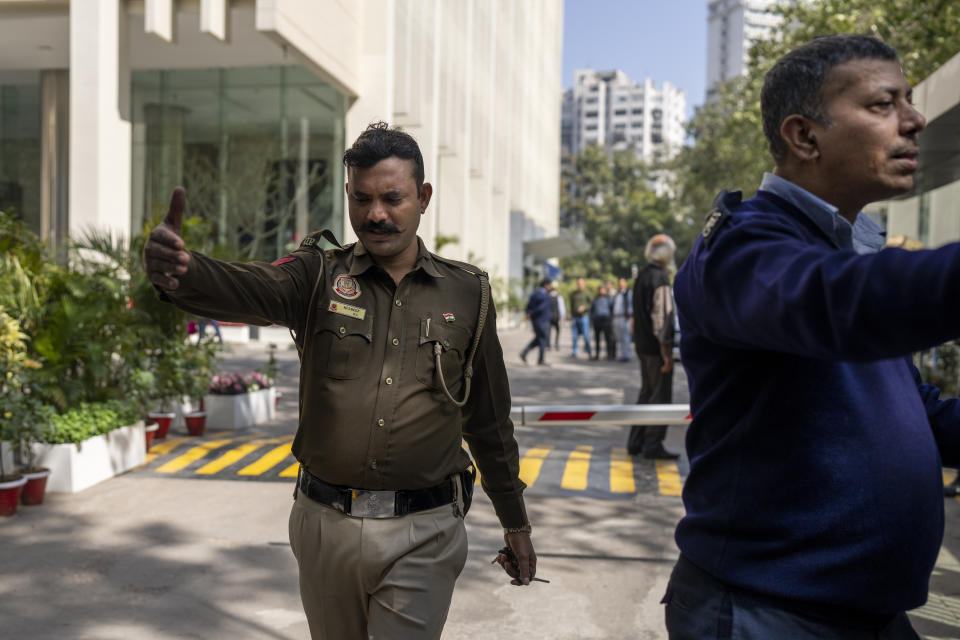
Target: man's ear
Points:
(426, 191)
(798, 133)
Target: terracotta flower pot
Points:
(11, 487)
(36, 486)
(163, 421)
(196, 422)
(149, 432)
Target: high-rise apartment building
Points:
(732, 27)
(609, 109)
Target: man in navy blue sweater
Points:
(814, 501)
(539, 310)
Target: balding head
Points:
(660, 250)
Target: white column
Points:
(99, 118)
(213, 18)
(158, 18)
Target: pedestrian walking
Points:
(797, 345)
(601, 318)
(558, 315)
(400, 358)
(580, 313)
(539, 312)
(653, 331)
(202, 327)
(622, 315)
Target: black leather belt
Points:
(362, 503)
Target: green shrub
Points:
(88, 420)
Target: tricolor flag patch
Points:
(449, 317)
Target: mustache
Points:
(911, 147)
(379, 227)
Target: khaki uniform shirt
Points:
(372, 414)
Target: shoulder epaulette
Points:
(312, 241)
(719, 214)
(469, 268)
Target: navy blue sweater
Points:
(814, 464)
(539, 307)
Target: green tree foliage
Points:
(730, 151)
(609, 198)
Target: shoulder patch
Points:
(718, 215)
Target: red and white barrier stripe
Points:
(620, 414)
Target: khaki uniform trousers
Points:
(376, 578)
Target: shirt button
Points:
(381, 422)
(396, 341)
(389, 380)
(398, 303)
(373, 463)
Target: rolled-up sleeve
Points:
(662, 315)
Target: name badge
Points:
(347, 310)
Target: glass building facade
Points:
(258, 150)
(20, 145)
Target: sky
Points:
(665, 40)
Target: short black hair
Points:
(379, 142)
(794, 85)
(545, 282)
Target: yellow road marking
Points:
(238, 453)
(669, 478)
(266, 461)
(195, 453)
(621, 471)
(164, 446)
(291, 471)
(531, 463)
(578, 464)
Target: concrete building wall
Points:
(474, 81)
(931, 213)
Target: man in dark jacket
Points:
(539, 311)
(653, 318)
(813, 502)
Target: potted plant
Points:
(12, 399)
(198, 365)
(239, 400)
(35, 419)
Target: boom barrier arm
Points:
(601, 414)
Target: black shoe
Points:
(523, 356)
(660, 454)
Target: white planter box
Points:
(238, 333)
(74, 467)
(243, 410)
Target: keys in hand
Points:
(506, 555)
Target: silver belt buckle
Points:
(372, 504)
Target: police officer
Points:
(399, 359)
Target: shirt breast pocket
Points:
(453, 342)
(344, 345)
